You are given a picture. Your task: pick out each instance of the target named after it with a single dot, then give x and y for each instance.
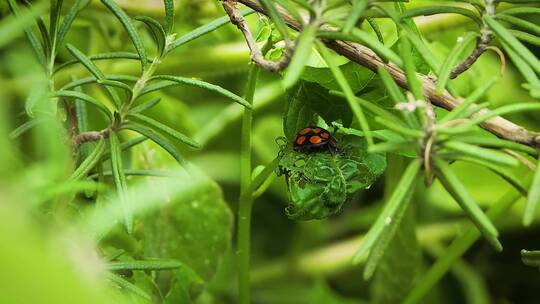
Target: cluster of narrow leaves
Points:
(122, 108)
(122, 111)
(405, 123)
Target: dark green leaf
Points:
(153, 124)
(349, 94)
(177, 80)
(130, 28)
(83, 97)
(534, 197)
(169, 15)
(520, 49)
(69, 18)
(157, 31)
(205, 29)
(454, 186)
(144, 265)
(30, 35)
(300, 56)
(145, 106)
(89, 163)
(358, 7)
(120, 180)
(157, 138)
(396, 202)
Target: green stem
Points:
(245, 201)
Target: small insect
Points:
(313, 139)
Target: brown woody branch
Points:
(364, 56)
(482, 44)
(89, 136)
(256, 54)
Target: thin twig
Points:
(482, 43)
(366, 57)
(89, 136)
(256, 54)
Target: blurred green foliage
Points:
(62, 235)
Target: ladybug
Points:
(314, 139)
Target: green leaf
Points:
(358, 76)
(298, 114)
(157, 138)
(291, 9)
(410, 69)
(55, 11)
(511, 108)
(74, 10)
(12, 26)
(89, 163)
(504, 173)
(25, 127)
(120, 180)
(380, 249)
(399, 128)
(471, 98)
(434, 10)
(273, 13)
(493, 142)
(392, 272)
(395, 93)
(520, 10)
(124, 146)
(349, 94)
(125, 284)
(94, 70)
(374, 25)
(358, 7)
(205, 29)
(199, 223)
(451, 60)
(530, 258)
(319, 184)
(143, 265)
(300, 56)
(169, 15)
(157, 31)
(130, 28)
(534, 197)
(83, 97)
(101, 56)
(90, 80)
(523, 67)
(177, 80)
(38, 94)
(519, 22)
(422, 50)
(30, 35)
(153, 124)
(372, 107)
(526, 37)
(145, 106)
(520, 49)
(452, 184)
(386, 218)
(482, 153)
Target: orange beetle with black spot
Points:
(313, 139)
